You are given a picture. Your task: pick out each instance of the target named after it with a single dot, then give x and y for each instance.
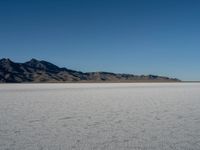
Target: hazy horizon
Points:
(136, 37)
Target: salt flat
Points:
(116, 116)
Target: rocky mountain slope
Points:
(43, 71)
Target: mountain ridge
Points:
(40, 71)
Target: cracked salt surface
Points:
(117, 116)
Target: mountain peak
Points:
(43, 65)
(5, 60)
(33, 60)
(34, 63)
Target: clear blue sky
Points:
(131, 36)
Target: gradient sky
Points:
(131, 36)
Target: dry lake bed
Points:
(111, 116)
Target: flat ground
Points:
(111, 116)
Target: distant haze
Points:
(122, 36)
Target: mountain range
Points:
(37, 71)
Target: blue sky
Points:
(131, 36)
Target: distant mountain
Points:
(43, 71)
